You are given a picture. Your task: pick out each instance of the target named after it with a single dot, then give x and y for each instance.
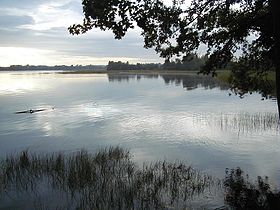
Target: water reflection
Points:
(10, 84)
(56, 122)
(191, 82)
(123, 77)
(108, 179)
(242, 122)
(147, 113)
(13, 83)
(188, 82)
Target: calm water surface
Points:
(186, 118)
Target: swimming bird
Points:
(31, 111)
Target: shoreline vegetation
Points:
(109, 179)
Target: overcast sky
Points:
(35, 32)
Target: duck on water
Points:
(31, 111)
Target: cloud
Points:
(19, 55)
(31, 4)
(11, 21)
(33, 56)
(45, 14)
(53, 15)
(42, 25)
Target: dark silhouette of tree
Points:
(224, 26)
(241, 193)
(192, 62)
(126, 66)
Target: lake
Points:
(157, 117)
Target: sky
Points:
(34, 32)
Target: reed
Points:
(108, 179)
(242, 122)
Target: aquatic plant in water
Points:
(242, 122)
(107, 179)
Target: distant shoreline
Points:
(132, 72)
(119, 72)
(225, 73)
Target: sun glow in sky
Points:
(35, 32)
(20, 55)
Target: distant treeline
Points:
(57, 67)
(126, 66)
(193, 63)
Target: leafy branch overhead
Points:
(223, 25)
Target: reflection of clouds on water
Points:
(24, 122)
(149, 114)
(94, 111)
(243, 123)
(48, 128)
(201, 129)
(201, 138)
(11, 83)
(58, 121)
(165, 129)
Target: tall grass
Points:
(242, 122)
(107, 179)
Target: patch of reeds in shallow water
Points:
(242, 122)
(107, 179)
